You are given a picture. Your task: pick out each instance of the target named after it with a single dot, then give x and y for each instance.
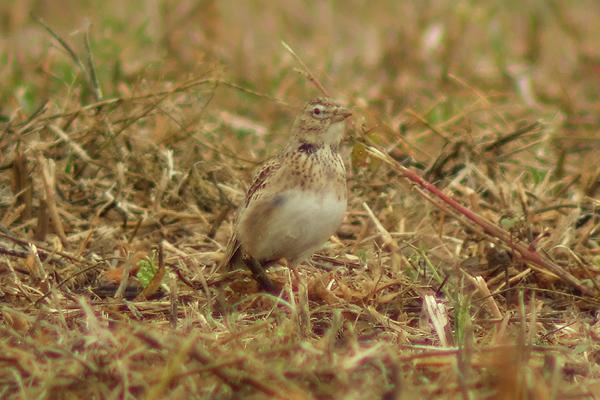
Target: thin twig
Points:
(46, 252)
(501, 141)
(68, 49)
(67, 279)
(77, 149)
(181, 88)
(47, 171)
(124, 279)
(91, 66)
(307, 72)
(490, 228)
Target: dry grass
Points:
(139, 143)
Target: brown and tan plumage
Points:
(232, 254)
(298, 198)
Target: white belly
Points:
(299, 224)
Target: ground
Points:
(466, 266)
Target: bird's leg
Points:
(260, 275)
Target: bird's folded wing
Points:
(259, 181)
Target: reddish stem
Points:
(490, 228)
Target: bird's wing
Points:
(260, 179)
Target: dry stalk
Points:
(524, 251)
(124, 279)
(74, 145)
(48, 179)
(305, 69)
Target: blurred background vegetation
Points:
(497, 101)
(435, 57)
(397, 52)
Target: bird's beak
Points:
(341, 113)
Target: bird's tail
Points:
(233, 256)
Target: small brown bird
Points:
(298, 198)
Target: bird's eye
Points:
(316, 111)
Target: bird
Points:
(297, 199)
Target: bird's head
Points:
(321, 122)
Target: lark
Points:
(298, 198)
